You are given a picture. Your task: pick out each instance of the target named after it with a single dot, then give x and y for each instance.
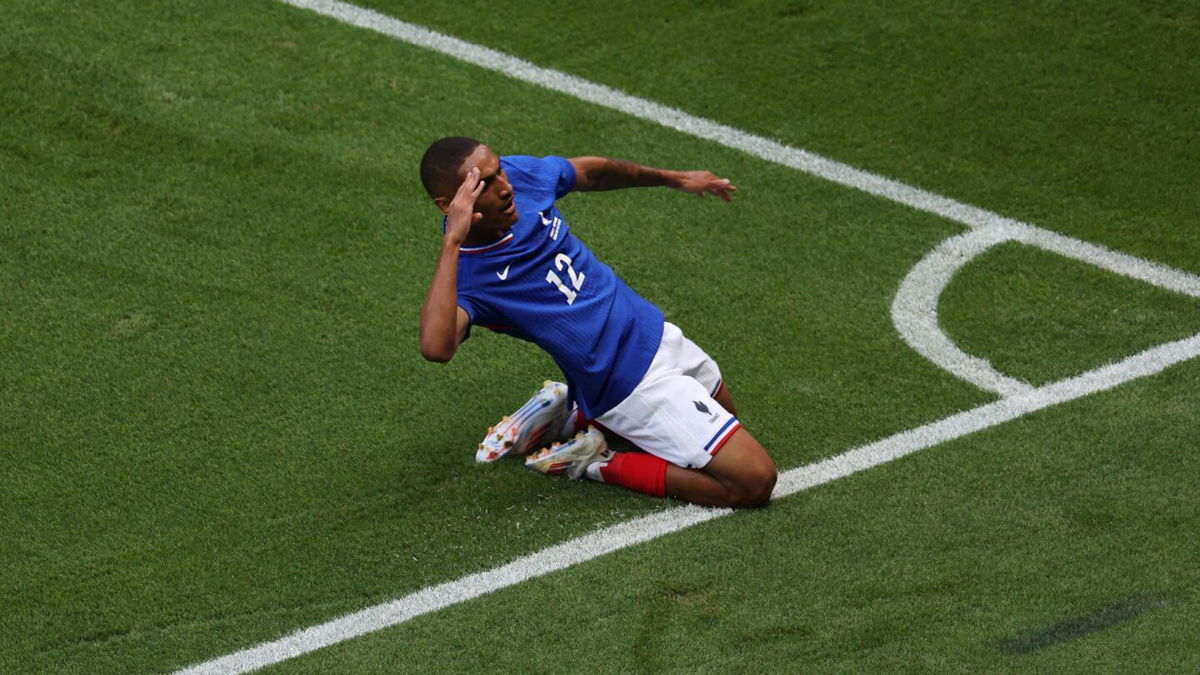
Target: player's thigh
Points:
(725, 398)
(743, 464)
(694, 362)
(673, 417)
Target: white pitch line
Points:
(1157, 274)
(643, 529)
(915, 307)
(657, 113)
(629, 533)
(1142, 364)
(763, 148)
(915, 310)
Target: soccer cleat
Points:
(572, 457)
(536, 423)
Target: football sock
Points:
(637, 471)
(574, 423)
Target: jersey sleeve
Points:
(482, 314)
(476, 311)
(566, 175)
(545, 175)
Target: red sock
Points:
(575, 423)
(582, 422)
(638, 472)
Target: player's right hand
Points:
(462, 214)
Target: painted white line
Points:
(1143, 364)
(801, 160)
(915, 310)
(1160, 275)
(472, 586)
(650, 111)
(643, 529)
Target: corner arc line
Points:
(915, 315)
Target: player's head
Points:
(440, 166)
(446, 164)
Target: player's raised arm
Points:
(443, 322)
(604, 173)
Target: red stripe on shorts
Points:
(721, 443)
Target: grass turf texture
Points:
(217, 428)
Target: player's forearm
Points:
(439, 314)
(604, 173)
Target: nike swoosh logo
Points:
(545, 221)
(504, 275)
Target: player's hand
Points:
(462, 214)
(701, 183)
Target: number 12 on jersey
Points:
(576, 277)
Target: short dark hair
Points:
(442, 160)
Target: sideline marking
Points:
(927, 340)
(650, 111)
(616, 537)
(638, 530)
(763, 148)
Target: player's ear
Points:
(443, 204)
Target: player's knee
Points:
(755, 487)
(764, 486)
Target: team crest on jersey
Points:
(553, 223)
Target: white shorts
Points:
(672, 413)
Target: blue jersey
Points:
(541, 284)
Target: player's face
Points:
(496, 201)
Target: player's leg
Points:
(682, 416)
(705, 459)
(725, 398)
(722, 465)
(742, 474)
(695, 449)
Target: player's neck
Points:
(477, 237)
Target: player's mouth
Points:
(511, 209)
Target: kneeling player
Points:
(510, 262)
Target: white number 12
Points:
(576, 277)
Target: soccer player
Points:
(509, 262)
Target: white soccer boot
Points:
(537, 423)
(572, 457)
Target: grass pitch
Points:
(217, 428)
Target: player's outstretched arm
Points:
(443, 322)
(604, 173)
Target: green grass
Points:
(216, 429)
(1051, 317)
